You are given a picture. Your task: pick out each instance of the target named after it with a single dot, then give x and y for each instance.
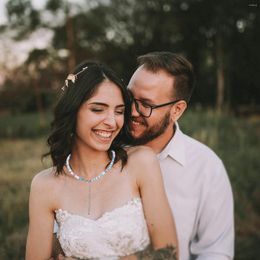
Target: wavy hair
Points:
(61, 139)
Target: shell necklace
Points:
(89, 181)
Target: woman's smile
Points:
(104, 135)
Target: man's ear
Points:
(178, 109)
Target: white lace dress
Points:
(120, 232)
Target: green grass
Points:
(24, 125)
(236, 141)
(20, 160)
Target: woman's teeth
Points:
(104, 134)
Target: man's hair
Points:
(177, 66)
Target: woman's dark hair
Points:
(89, 76)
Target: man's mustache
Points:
(140, 120)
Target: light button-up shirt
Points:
(200, 196)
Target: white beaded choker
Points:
(95, 178)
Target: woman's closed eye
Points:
(119, 111)
(97, 110)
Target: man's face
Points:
(152, 88)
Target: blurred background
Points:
(42, 40)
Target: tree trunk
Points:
(39, 103)
(70, 40)
(220, 75)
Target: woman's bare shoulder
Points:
(44, 178)
(140, 153)
(142, 161)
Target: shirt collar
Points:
(175, 148)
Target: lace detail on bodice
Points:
(120, 232)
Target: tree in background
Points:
(220, 28)
(216, 36)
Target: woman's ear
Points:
(178, 109)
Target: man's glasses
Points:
(146, 110)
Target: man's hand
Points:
(149, 253)
(130, 257)
(62, 257)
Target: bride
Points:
(109, 201)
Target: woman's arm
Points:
(157, 211)
(39, 239)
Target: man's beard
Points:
(152, 132)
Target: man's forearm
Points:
(149, 253)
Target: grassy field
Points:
(20, 160)
(236, 141)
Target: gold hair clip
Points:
(72, 77)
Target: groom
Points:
(195, 179)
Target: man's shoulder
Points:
(195, 146)
(203, 159)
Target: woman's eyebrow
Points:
(99, 103)
(104, 104)
(122, 105)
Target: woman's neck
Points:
(88, 163)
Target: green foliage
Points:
(22, 16)
(209, 33)
(24, 125)
(236, 141)
(23, 100)
(54, 5)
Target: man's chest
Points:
(183, 188)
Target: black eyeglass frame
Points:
(151, 106)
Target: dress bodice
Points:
(120, 232)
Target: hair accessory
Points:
(72, 77)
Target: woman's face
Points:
(101, 117)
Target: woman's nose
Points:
(110, 120)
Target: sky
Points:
(2, 12)
(36, 3)
(14, 53)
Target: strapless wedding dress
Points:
(120, 232)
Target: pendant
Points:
(89, 198)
